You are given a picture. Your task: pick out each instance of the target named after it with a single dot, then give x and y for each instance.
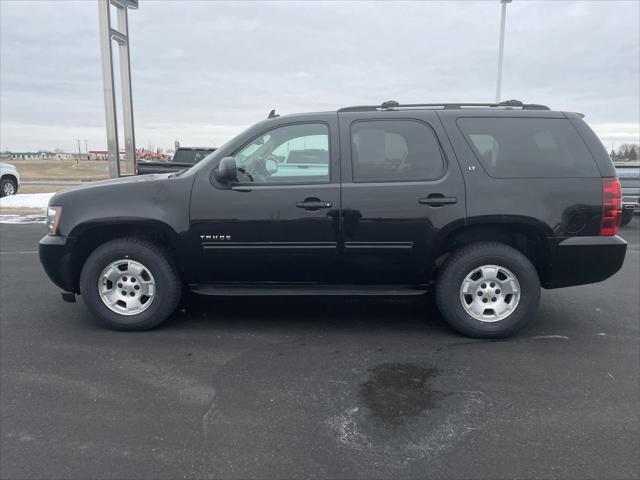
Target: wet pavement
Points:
(316, 388)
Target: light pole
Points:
(503, 17)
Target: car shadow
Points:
(312, 314)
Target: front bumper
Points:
(55, 256)
(582, 260)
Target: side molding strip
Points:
(262, 246)
(378, 245)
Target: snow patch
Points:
(22, 218)
(26, 200)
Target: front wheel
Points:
(488, 290)
(130, 284)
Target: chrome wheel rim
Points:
(490, 293)
(8, 189)
(126, 287)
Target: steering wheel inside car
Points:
(244, 172)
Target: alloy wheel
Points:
(490, 293)
(126, 287)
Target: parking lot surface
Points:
(316, 388)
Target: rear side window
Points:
(528, 147)
(395, 151)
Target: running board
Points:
(227, 289)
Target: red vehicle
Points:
(151, 155)
(183, 158)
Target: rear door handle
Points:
(313, 204)
(438, 200)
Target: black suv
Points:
(482, 203)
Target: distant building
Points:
(31, 155)
(98, 154)
(102, 154)
(58, 155)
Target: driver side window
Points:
(288, 154)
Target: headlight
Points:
(53, 219)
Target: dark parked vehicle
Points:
(482, 204)
(183, 158)
(629, 176)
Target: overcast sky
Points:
(203, 71)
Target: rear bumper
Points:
(55, 256)
(630, 199)
(582, 260)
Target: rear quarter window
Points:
(516, 147)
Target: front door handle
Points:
(437, 200)
(313, 204)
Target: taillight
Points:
(611, 207)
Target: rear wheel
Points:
(488, 290)
(130, 284)
(8, 187)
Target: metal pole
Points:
(501, 48)
(125, 84)
(79, 153)
(109, 96)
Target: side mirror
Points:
(226, 171)
(271, 166)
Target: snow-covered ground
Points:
(26, 200)
(23, 218)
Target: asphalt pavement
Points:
(316, 388)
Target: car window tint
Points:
(528, 147)
(394, 151)
(287, 154)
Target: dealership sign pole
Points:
(503, 17)
(121, 36)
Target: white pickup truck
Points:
(9, 180)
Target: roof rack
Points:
(392, 105)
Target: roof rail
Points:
(392, 104)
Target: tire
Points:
(158, 277)
(627, 215)
(459, 268)
(8, 187)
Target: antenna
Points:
(273, 114)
